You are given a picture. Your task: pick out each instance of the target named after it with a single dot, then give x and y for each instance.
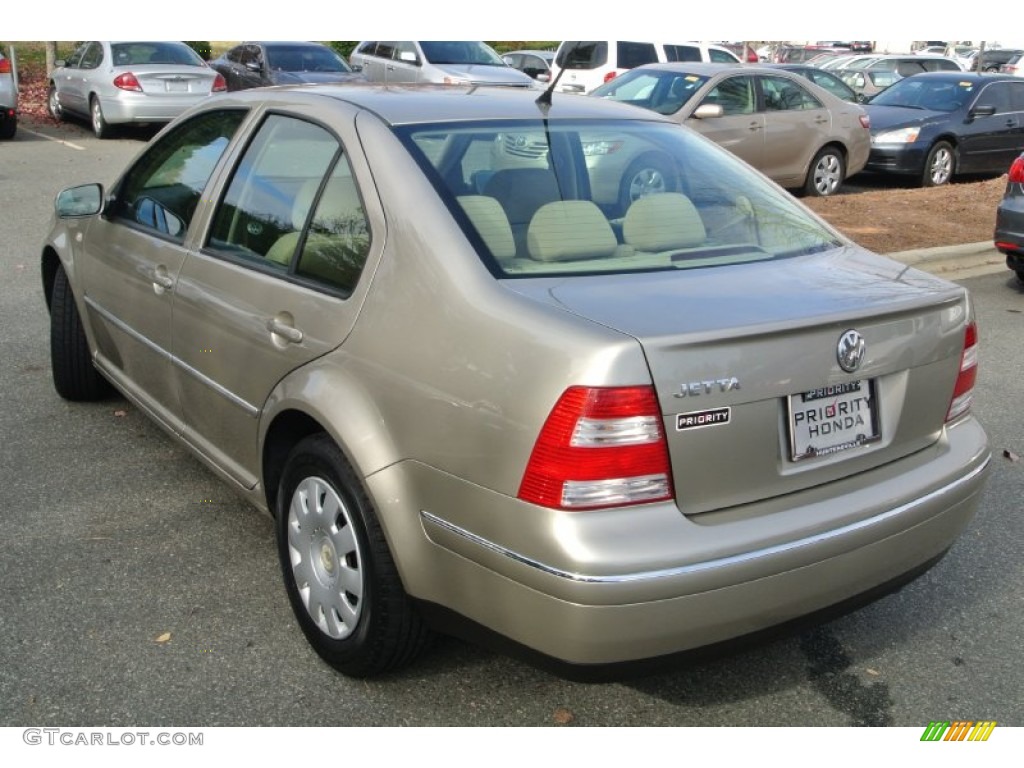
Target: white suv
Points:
(590, 63)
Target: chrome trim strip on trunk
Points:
(707, 565)
(246, 406)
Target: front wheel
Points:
(100, 126)
(53, 104)
(1020, 275)
(74, 376)
(826, 173)
(338, 571)
(647, 175)
(940, 165)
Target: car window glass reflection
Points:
(735, 95)
(272, 192)
(164, 188)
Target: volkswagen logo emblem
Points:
(850, 351)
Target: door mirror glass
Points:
(84, 200)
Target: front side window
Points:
(734, 94)
(559, 198)
(292, 207)
(162, 190)
(721, 57)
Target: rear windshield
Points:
(133, 54)
(546, 198)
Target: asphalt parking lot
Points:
(136, 589)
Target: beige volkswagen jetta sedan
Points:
(472, 395)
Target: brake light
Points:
(219, 83)
(5, 67)
(1016, 174)
(127, 82)
(609, 76)
(963, 392)
(600, 447)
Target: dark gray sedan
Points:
(1009, 235)
(255, 64)
(933, 126)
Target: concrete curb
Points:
(955, 261)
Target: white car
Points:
(590, 63)
(460, 62)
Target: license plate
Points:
(177, 86)
(833, 419)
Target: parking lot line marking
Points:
(51, 138)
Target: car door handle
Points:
(281, 328)
(755, 125)
(821, 119)
(162, 280)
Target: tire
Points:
(53, 104)
(99, 123)
(647, 175)
(8, 128)
(940, 165)
(341, 580)
(74, 376)
(826, 174)
(1020, 275)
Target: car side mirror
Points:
(706, 111)
(982, 110)
(356, 67)
(75, 202)
(543, 77)
(59, 63)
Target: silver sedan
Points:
(112, 83)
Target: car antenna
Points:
(544, 100)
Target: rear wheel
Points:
(940, 165)
(825, 175)
(8, 128)
(74, 376)
(1020, 275)
(100, 126)
(338, 571)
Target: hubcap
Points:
(649, 181)
(828, 175)
(325, 557)
(942, 166)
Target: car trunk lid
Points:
(745, 363)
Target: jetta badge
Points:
(850, 351)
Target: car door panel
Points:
(244, 319)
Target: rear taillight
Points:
(600, 447)
(5, 67)
(127, 82)
(609, 76)
(963, 392)
(219, 83)
(1016, 174)
(865, 120)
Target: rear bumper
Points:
(131, 107)
(732, 576)
(1009, 230)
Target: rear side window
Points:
(636, 54)
(583, 54)
(292, 207)
(682, 53)
(162, 190)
